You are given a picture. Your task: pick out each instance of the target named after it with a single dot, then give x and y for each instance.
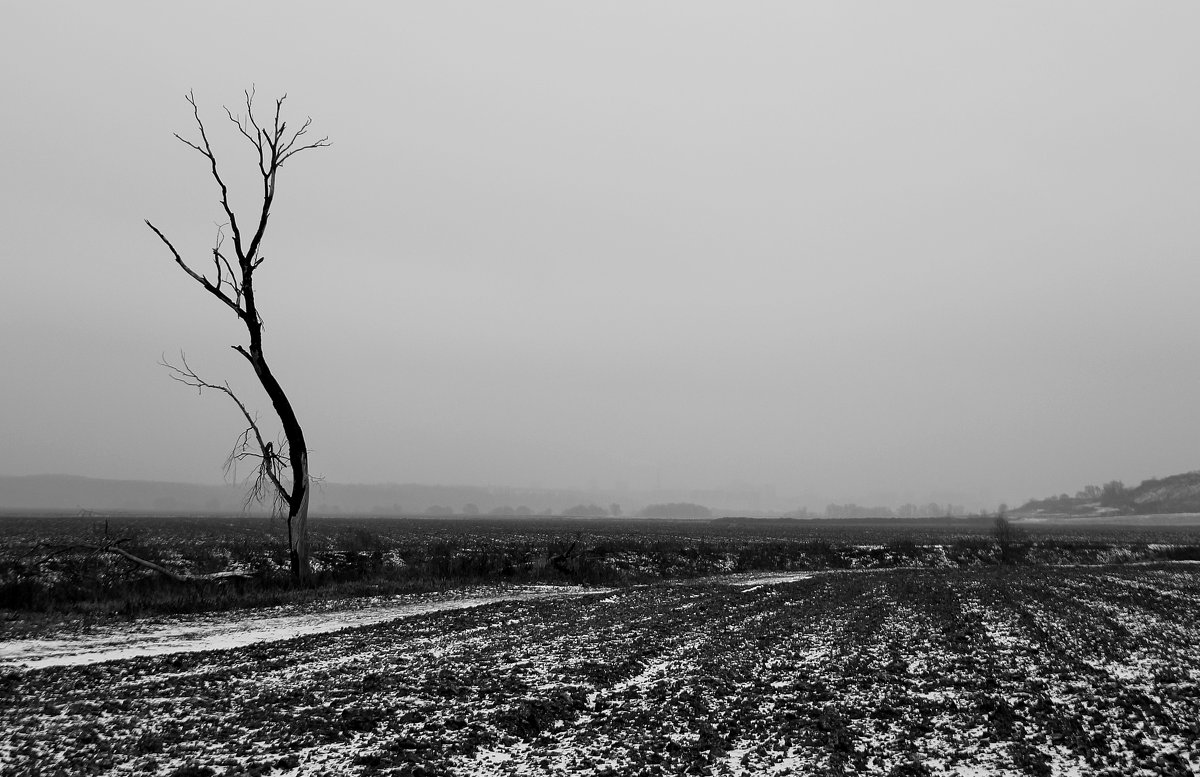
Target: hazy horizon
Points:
(366, 496)
(822, 249)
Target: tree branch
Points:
(270, 459)
(202, 280)
(280, 150)
(212, 160)
(290, 149)
(223, 267)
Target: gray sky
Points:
(848, 249)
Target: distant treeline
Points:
(836, 511)
(667, 510)
(73, 493)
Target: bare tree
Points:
(282, 470)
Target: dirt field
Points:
(1002, 670)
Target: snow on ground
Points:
(751, 582)
(220, 631)
(1020, 671)
(217, 631)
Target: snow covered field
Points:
(1019, 670)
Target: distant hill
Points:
(1172, 494)
(72, 493)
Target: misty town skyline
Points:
(934, 253)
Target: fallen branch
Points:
(179, 577)
(562, 561)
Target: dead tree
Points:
(282, 470)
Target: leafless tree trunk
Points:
(282, 473)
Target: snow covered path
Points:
(215, 631)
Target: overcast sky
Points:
(851, 250)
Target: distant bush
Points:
(676, 510)
(1115, 494)
(586, 511)
(1010, 538)
(904, 545)
(972, 547)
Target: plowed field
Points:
(895, 672)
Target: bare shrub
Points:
(1011, 539)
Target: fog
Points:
(830, 251)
